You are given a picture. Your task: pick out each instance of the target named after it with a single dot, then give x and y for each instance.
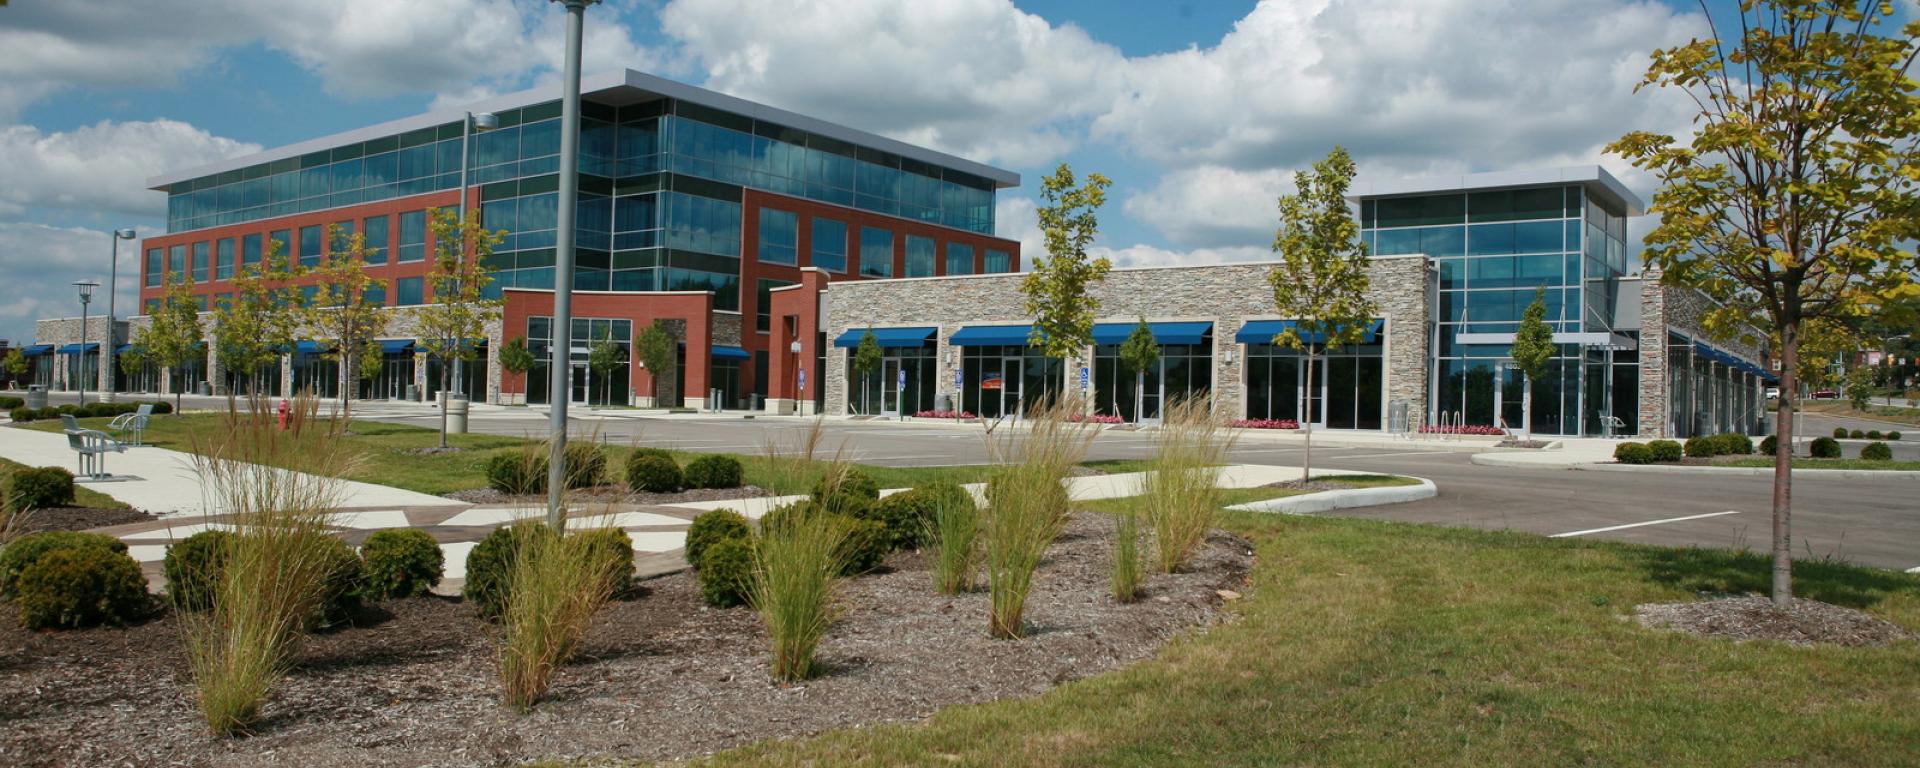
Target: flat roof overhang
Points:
(1593, 178)
(618, 87)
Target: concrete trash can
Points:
(456, 413)
(943, 402)
(206, 389)
(36, 396)
(413, 394)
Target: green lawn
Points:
(1767, 462)
(82, 495)
(1877, 412)
(1363, 643)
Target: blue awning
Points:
(1263, 331)
(75, 349)
(310, 347)
(730, 353)
(36, 350)
(991, 336)
(888, 337)
(1164, 333)
(395, 346)
(122, 349)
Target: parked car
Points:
(1825, 394)
(1773, 393)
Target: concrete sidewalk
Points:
(163, 482)
(1571, 451)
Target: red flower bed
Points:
(943, 415)
(1098, 418)
(1467, 429)
(1265, 424)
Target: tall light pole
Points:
(560, 389)
(474, 123)
(113, 287)
(86, 297)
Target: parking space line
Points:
(1914, 570)
(1637, 525)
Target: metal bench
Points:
(92, 446)
(1614, 425)
(134, 424)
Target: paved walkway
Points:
(163, 482)
(1571, 451)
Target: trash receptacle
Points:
(36, 396)
(205, 389)
(456, 413)
(943, 402)
(413, 394)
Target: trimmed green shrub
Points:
(1857, 435)
(1768, 445)
(640, 451)
(715, 470)
(1702, 446)
(517, 472)
(1825, 448)
(1894, 435)
(1839, 433)
(865, 547)
(654, 474)
(490, 566)
(38, 488)
(25, 550)
(908, 515)
(1631, 453)
(726, 572)
(1733, 444)
(787, 514)
(855, 492)
(1664, 451)
(400, 562)
(609, 548)
(586, 464)
(1876, 452)
(21, 414)
(193, 567)
(73, 587)
(1874, 434)
(713, 527)
(341, 596)
(10, 403)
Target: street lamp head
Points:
(485, 121)
(86, 289)
(794, 347)
(125, 234)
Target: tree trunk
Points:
(1783, 467)
(1306, 424)
(1139, 395)
(444, 377)
(1526, 407)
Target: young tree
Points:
(1860, 387)
(516, 359)
(172, 337)
(866, 358)
(1533, 350)
(460, 312)
(653, 347)
(342, 314)
(15, 364)
(258, 323)
(1057, 288)
(1138, 354)
(1795, 194)
(604, 356)
(1322, 280)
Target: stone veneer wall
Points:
(1663, 309)
(1226, 294)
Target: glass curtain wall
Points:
(263, 381)
(1007, 381)
(589, 387)
(1184, 371)
(903, 383)
(1346, 391)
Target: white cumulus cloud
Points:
(40, 264)
(102, 168)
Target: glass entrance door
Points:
(1313, 393)
(890, 387)
(578, 384)
(1011, 378)
(1511, 390)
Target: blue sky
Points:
(1200, 110)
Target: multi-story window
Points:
(250, 249)
(919, 256)
(156, 267)
(223, 260)
(342, 236)
(959, 259)
(177, 263)
(376, 241)
(409, 291)
(375, 294)
(311, 245)
(763, 302)
(829, 244)
(876, 252)
(201, 260)
(779, 236)
(283, 253)
(413, 237)
(998, 262)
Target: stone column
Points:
(1654, 379)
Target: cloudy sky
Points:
(1200, 110)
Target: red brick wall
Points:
(694, 307)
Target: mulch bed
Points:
(660, 676)
(1512, 443)
(613, 494)
(1311, 485)
(78, 518)
(1803, 622)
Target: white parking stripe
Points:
(1913, 570)
(1637, 525)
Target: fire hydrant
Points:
(285, 413)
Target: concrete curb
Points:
(1838, 474)
(1325, 501)
(1518, 459)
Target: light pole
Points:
(113, 287)
(86, 297)
(480, 122)
(560, 389)
(794, 347)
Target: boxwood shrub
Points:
(1894, 435)
(31, 547)
(610, 549)
(713, 527)
(1839, 433)
(10, 403)
(74, 587)
(1825, 448)
(400, 562)
(1874, 434)
(1857, 435)
(1768, 445)
(1702, 446)
(715, 470)
(856, 492)
(517, 472)
(647, 473)
(726, 572)
(1876, 452)
(341, 596)
(490, 566)
(37, 488)
(866, 545)
(193, 567)
(1633, 453)
(1664, 451)
(1733, 444)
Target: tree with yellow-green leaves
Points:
(1058, 290)
(1794, 198)
(1321, 283)
(258, 323)
(171, 337)
(459, 309)
(345, 311)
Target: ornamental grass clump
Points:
(797, 567)
(556, 584)
(279, 486)
(1126, 555)
(1027, 506)
(953, 531)
(1180, 490)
